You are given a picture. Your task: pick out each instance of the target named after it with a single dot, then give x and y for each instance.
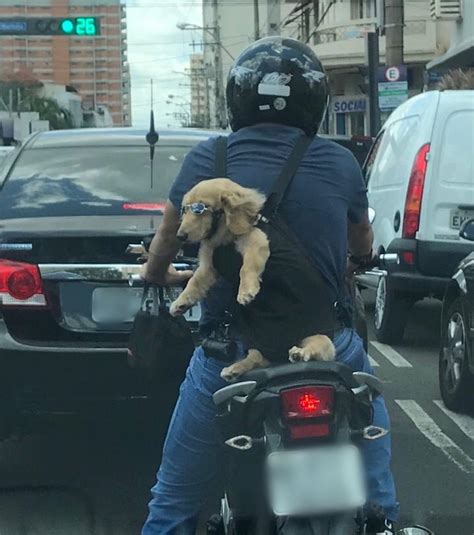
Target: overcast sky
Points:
(158, 50)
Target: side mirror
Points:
(467, 230)
(371, 215)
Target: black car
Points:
(71, 204)
(456, 361)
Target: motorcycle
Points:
(291, 434)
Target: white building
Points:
(200, 84)
(339, 41)
(461, 45)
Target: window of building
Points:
(363, 9)
(341, 124)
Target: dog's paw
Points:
(180, 306)
(248, 292)
(231, 373)
(299, 354)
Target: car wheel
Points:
(390, 315)
(455, 380)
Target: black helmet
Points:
(277, 80)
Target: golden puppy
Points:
(219, 212)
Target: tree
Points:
(21, 87)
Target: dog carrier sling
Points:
(294, 301)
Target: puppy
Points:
(220, 212)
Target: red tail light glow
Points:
(145, 206)
(307, 402)
(411, 218)
(408, 257)
(307, 411)
(20, 285)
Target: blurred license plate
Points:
(120, 305)
(320, 480)
(457, 217)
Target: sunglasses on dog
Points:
(196, 208)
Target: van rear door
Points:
(449, 186)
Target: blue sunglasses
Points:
(196, 208)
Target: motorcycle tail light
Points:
(307, 411)
(307, 402)
(21, 285)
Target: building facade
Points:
(200, 84)
(337, 30)
(95, 66)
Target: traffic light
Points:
(80, 26)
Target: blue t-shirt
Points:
(326, 192)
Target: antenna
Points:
(152, 136)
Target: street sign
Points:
(79, 26)
(392, 86)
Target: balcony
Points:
(344, 44)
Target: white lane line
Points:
(463, 421)
(391, 355)
(373, 362)
(433, 433)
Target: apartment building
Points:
(200, 83)
(95, 66)
(339, 41)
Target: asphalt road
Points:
(77, 478)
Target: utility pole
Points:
(373, 60)
(394, 22)
(256, 20)
(274, 19)
(220, 105)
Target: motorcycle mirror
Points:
(415, 530)
(467, 230)
(371, 215)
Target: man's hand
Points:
(171, 278)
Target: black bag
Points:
(159, 343)
(294, 301)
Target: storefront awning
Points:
(461, 55)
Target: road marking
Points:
(391, 355)
(463, 421)
(433, 433)
(373, 362)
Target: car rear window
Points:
(89, 180)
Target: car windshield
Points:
(89, 180)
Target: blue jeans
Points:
(191, 457)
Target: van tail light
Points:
(21, 285)
(411, 219)
(408, 257)
(308, 410)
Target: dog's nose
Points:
(182, 236)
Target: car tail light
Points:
(307, 410)
(21, 285)
(145, 206)
(411, 219)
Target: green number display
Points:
(90, 26)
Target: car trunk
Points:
(85, 268)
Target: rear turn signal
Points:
(21, 285)
(411, 218)
(307, 410)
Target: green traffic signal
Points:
(67, 26)
(87, 26)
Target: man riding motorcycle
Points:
(276, 91)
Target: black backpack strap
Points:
(286, 176)
(220, 157)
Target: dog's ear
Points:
(241, 207)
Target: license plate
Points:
(457, 217)
(320, 480)
(120, 305)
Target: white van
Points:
(420, 179)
